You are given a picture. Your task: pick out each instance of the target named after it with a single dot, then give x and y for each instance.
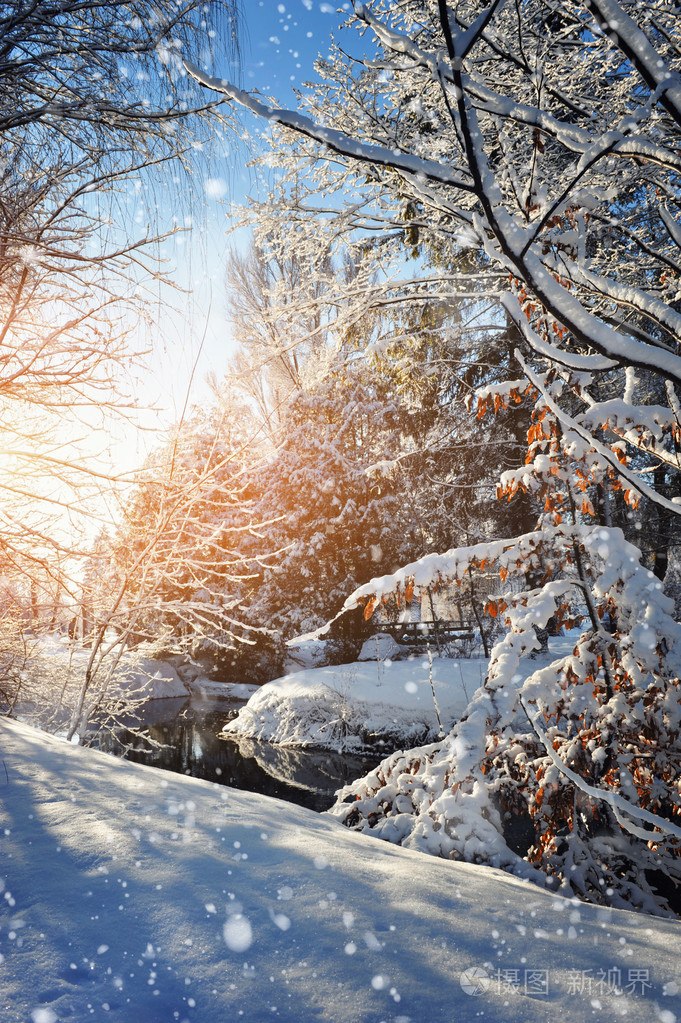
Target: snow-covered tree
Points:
(547, 137)
(485, 131)
(338, 504)
(275, 305)
(85, 125)
(425, 355)
(181, 552)
(94, 105)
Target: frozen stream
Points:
(189, 733)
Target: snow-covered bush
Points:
(576, 772)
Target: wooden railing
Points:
(419, 633)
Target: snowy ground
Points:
(138, 896)
(369, 704)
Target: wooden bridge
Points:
(421, 633)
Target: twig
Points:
(432, 689)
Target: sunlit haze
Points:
(279, 44)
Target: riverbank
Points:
(133, 894)
(371, 705)
(362, 706)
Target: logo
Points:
(475, 981)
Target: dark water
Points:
(188, 731)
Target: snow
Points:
(138, 671)
(380, 647)
(573, 360)
(310, 654)
(151, 679)
(206, 687)
(636, 45)
(130, 894)
(53, 677)
(361, 705)
(384, 704)
(623, 808)
(332, 139)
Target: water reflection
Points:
(190, 743)
(318, 771)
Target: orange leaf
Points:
(369, 608)
(492, 608)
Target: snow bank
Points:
(384, 705)
(52, 681)
(381, 647)
(308, 654)
(206, 687)
(360, 706)
(149, 679)
(132, 894)
(138, 671)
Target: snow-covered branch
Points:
(332, 139)
(570, 425)
(621, 807)
(623, 30)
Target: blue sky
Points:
(279, 44)
(282, 40)
(190, 336)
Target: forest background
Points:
(456, 360)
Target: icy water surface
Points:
(188, 731)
